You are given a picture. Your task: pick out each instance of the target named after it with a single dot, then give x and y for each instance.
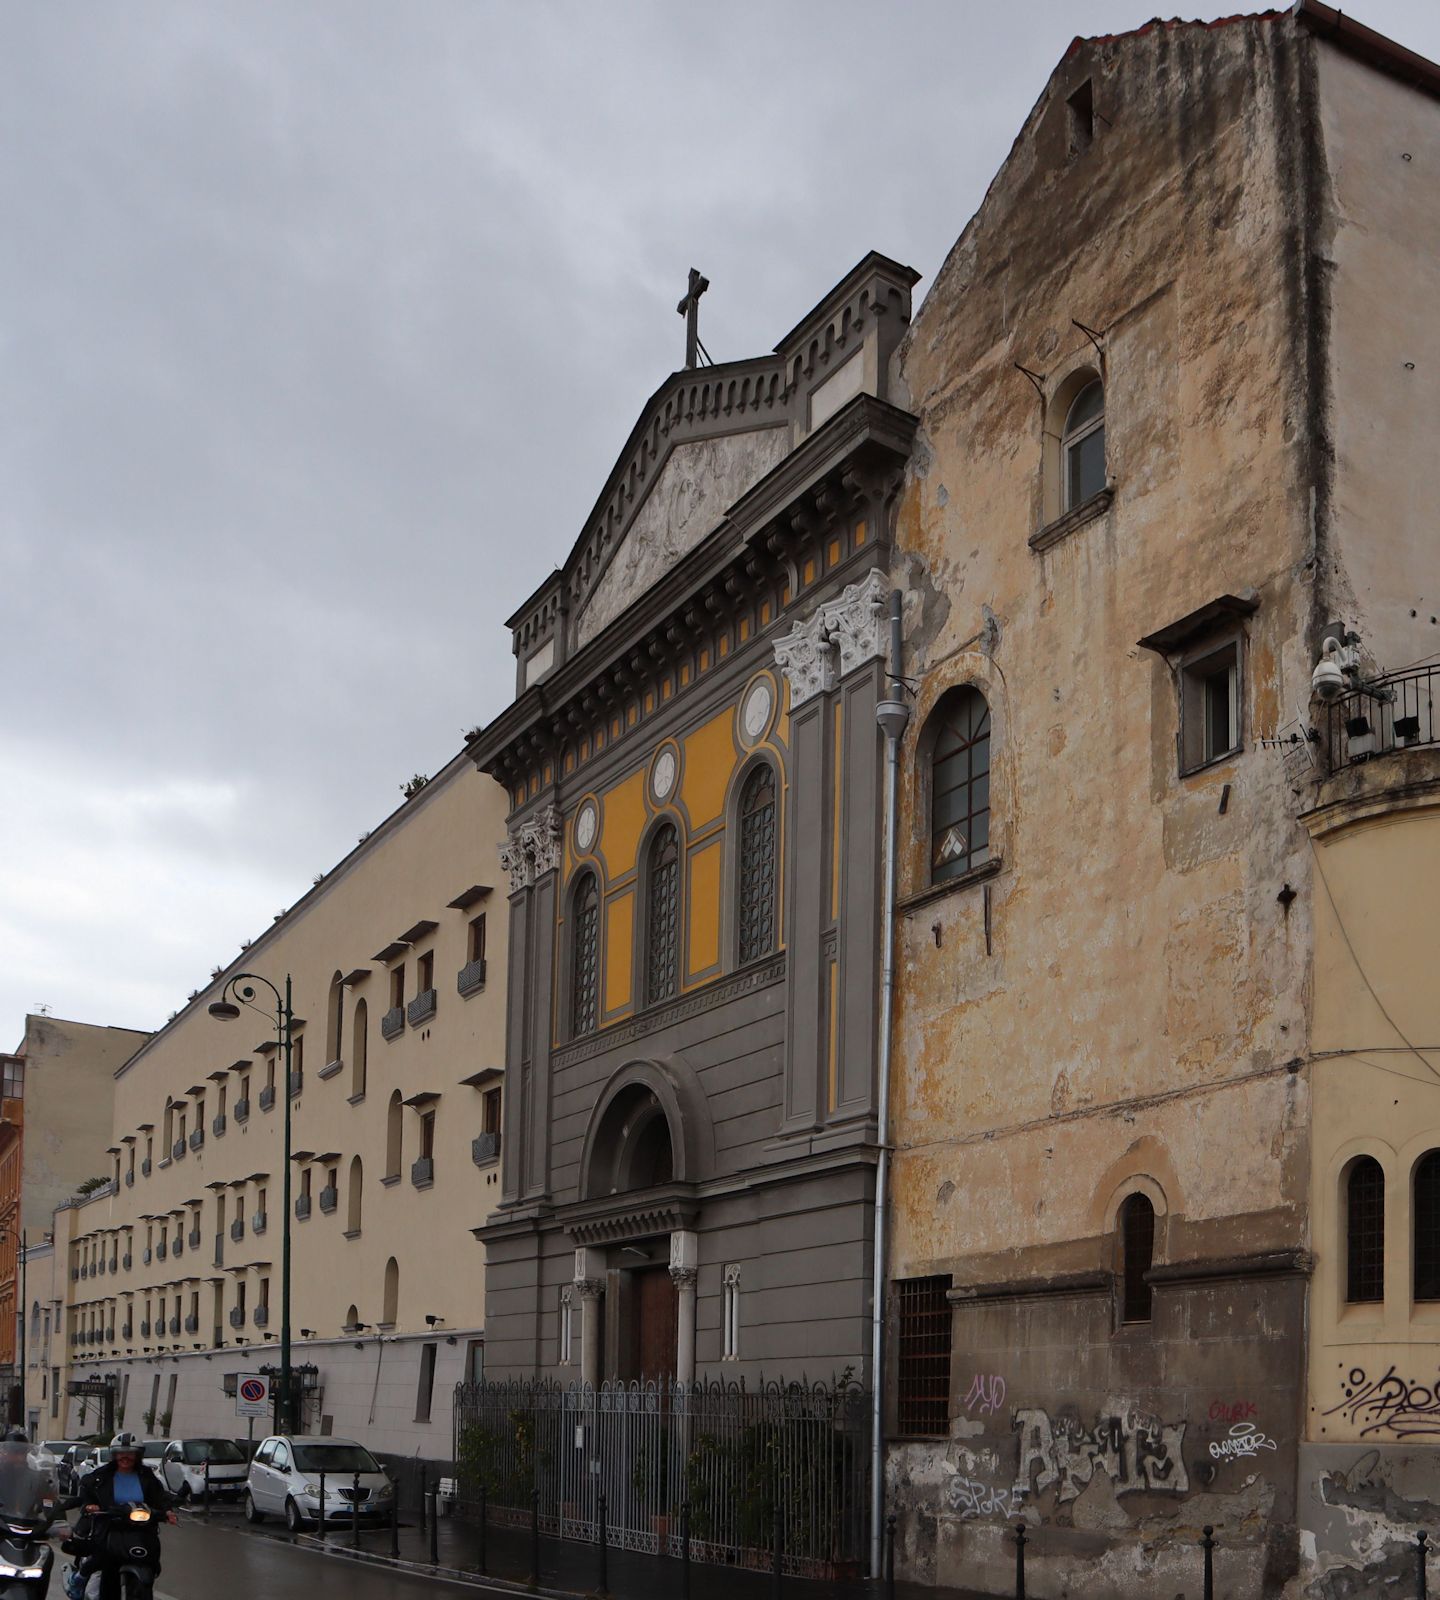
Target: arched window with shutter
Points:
(959, 784)
(1364, 1231)
(585, 956)
(1137, 1254)
(755, 918)
(662, 916)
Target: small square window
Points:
(1210, 706)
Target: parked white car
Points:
(183, 1464)
(285, 1476)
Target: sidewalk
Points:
(568, 1568)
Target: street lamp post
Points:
(242, 985)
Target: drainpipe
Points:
(893, 714)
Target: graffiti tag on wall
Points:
(972, 1498)
(1389, 1404)
(1245, 1440)
(1134, 1451)
(986, 1394)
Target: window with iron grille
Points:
(1365, 1231)
(960, 785)
(1426, 1224)
(923, 1355)
(757, 864)
(662, 921)
(1137, 1244)
(585, 957)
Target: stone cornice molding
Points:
(839, 636)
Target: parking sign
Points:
(252, 1395)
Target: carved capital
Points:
(533, 849)
(590, 1288)
(841, 635)
(684, 1277)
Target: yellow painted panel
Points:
(744, 629)
(684, 673)
(709, 763)
(704, 661)
(859, 534)
(724, 644)
(632, 712)
(808, 575)
(622, 820)
(619, 950)
(764, 612)
(832, 552)
(835, 825)
(649, 701)
(705, 905)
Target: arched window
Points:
(756, 902)
(1365, 1231)
(1082, 446)
(334, 1012)
(359, 1049)
(394, 1133)
(354, 1197)
(391, 1312)
(662, 916)
(1425, 1221)
(352, 1319)
(1137, 1249)
(585, 956)
(959, 784)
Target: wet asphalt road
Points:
(219, 1562)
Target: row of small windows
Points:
(1364, 1190)
(756, 902)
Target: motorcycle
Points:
(128, 1540)
(27, 1508)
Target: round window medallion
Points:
(585, 827)
(662, 779)
(755, 713)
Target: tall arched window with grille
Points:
(1137, 1246)
(662, 916)
(959, 784)
(585, 956)
(1365, 1231)
(756, 901)
(1425, 1223)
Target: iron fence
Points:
(1405, 712)
(735, 1463)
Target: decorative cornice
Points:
(629, 1221)
(716, 994)
(839, 636)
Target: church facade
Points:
(694, 853)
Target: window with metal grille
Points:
(923, 1355)
(960, 785)
(757, 865)
(1425, 1221)
(662, 919)
(585, 957)
(1137, 1244)
(1365, 1231)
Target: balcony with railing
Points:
(267, 1097)
(485, 1149)
(329, 1198)
(192, 1324)
(127, 1261)
(1388, 714)
(471, 977)
(177, 1150)
(217, 1127)
(145, 1329)
(194, 1239)
(422, 1172)
(174, 1327)
(422, 1007)
(262, 1316)
(237, 1317)
(178, 1249)
(145, 1167)
(258, 1222)
(197, 1138)
(242, 1109)
(219, 1249)
(297, 1082)
(302, 1206)
(392, 1024)
(161, 1250)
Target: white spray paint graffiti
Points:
(972, 1498)
(1245, 1440)
(987, 1393)
(1135, 1451)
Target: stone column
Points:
(684, 1256)
(590, 1286)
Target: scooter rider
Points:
(124, 1480)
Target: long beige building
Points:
(174, 1267)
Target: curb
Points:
(423, 1569)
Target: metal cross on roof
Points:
(689, 308)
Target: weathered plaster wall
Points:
(1382, 228)
(1119, 1006)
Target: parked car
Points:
(69, 1456)
(183, 1465)
(284, 1481)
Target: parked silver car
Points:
(285, 1481)
(183, 1468)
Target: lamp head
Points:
(223, 1010)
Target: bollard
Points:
(395, 1525)
(483, 1497)
(322, 1504)
(1421, 1540)
(422, 1494)
(355, 1513)
(207, 1486)
(684, 1550)
(603, 1587)
(890, 1557)
(534, 1539)
(434, 1527)
(1207, 1544)
(1019, 1561)
(777, 1575)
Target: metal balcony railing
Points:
(237, 1317)
(177, 1150)
(471, 977)
(302, 1206)
(147, 1255)
(422, 1172)
(145, 1330)
(485, 1148)
(192, 1324)
(1397, 712)
(130, 1178)
(194, 1238)
(174, 1327)
(178, 1249)
(145, 1167)
(161, 1251)
(127, 1261)
(217, 1127)
(242, 1110)
(197, 1138)
(258, 1222)
(328, 1199)
(297, 1083)
(422, 1007)
(237, 1229)
(262, 1316)
(267, 1097)
(392, 1024)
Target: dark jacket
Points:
(98, 1489)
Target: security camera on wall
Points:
(1337, 672)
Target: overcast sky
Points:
(321, 323)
